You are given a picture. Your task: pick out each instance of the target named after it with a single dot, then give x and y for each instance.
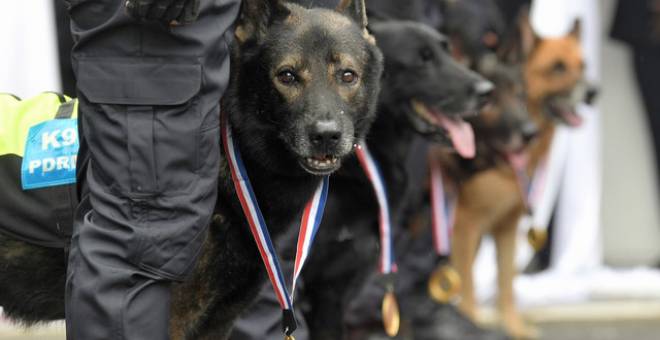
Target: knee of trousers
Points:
(154, 158)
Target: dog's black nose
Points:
(482, 90)
(325, 134)
(529, 131)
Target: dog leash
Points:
(309, 225)
(445, 282)
(531, 190)
(387, 265)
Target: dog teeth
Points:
(324, 163)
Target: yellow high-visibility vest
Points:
(17, 116)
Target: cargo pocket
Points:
(209, 150)
(142, 116)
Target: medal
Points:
(537, 238)
(289, 337)
(309, 224)
(444, 284)
(390, 313)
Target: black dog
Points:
(303, 91)
(425, 95)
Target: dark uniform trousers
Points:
(149, 119)
(635, 24)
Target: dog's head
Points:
(424, 83)
(554, 75)
(475, 28)
(307, 82)
(505, 127)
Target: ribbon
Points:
(386, 265)
(443, 211)
(532, 190)
(444, 283)
(311, 220)
(531, 187)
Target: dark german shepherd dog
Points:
(425, 97)
(304, 87)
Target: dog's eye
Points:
(348, 77)
(426, 54)
(559, 67)
(286, 77)
(445, 46)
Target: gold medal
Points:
(391, 316)
(289, 337)
(444, 284)
(537, 238)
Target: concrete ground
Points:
(602, 330)
(603, 320)
(611, 330)
(599, 320)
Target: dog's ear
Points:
(576, 31)
(528, 38)
(520, 41)
(357, 10)
(256, 16)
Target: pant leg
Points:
(647, 68)
(149, 104)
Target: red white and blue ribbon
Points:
(443, 211)
(531, 188)
(386, 264)
(311, 220)
(537, 184)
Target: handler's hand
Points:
(173, 12)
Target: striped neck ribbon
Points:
(443, 210)
(311, 220)
(387, 264)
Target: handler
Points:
(150, 76)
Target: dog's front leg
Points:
(465, 242)
(505, 243)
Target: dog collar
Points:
(309, 225)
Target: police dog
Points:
(490, 201)
(303, 91)
(425, 97)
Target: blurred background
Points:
(607, 287)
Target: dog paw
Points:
(520, 330)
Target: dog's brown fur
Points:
(490, 202)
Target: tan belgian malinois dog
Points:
(491, 202)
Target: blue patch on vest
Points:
(50, 154)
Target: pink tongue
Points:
(572, 118)
(518, 160)
(461, 134)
